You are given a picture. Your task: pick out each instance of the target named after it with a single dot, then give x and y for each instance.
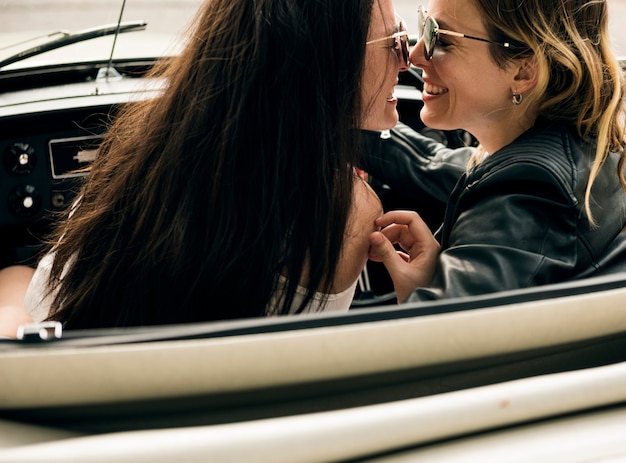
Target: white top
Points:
(339, 302)
(38, 302)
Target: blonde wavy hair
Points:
(580, 80)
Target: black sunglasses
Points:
(401, 44)
(428, 29)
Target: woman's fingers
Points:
(407, 229)
(382, 250)
(400, 217)
(407, 271)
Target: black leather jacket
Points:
(517, 219)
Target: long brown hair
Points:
(200, 198)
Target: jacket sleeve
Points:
(514, 228)
(414, 167)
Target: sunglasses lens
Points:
(430, 37)
(403, 50)
(402, 45)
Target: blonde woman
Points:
(537, 84)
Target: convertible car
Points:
(528, 375)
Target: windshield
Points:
(27, 23)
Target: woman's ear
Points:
(526, 76)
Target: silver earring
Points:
(517, 98)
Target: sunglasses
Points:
(428, 29)
(401, 43)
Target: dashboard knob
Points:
(24, 201)
(20, 158)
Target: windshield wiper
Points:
(71, 38)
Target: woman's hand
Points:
(416, 265)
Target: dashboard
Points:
(49, 134)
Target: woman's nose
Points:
(416, 57)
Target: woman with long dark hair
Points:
(232, 195)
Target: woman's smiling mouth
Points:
(391, 98)
(434, 89)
